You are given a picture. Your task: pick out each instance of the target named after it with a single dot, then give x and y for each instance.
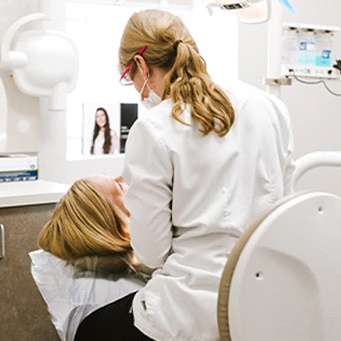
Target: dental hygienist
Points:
(201, 165)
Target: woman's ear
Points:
(142, 66)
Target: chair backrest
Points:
(283, 278)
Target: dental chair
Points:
(283, 278)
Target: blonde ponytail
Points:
(187, 82)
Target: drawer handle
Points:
(2, 241)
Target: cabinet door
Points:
(23, 312)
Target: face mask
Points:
(153, 98)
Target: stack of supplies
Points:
(18, 167)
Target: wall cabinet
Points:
(23, 312)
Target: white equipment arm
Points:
(314, 160)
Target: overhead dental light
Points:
(249, 11)
(233, 4)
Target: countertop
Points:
(24, 193)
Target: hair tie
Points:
(176, 43)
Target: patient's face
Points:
(112, 189)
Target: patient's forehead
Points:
(100, 181)
(110, 188)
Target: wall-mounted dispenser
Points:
(307, 51)
(249, 11)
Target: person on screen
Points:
(104, 139)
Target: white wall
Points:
(49, 131)
(315, 113)
(29, 125)
(97, 30)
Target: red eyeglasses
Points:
(125, 77)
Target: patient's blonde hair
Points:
(85, 225)
(171, 47)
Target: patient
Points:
(90, 227)
(87, 231)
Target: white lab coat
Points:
(190, 197)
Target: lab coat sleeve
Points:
(288, 141)
(289, 168)
(148, 171)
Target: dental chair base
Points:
(283, 279)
